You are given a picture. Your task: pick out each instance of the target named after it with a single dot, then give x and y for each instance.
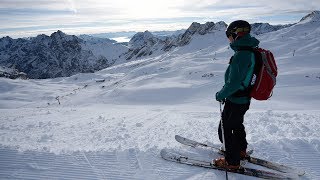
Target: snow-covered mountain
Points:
(65, 55)
(57, 55)
(112, 124)
(261, 28)
(145, 43)
(61, 55)
(313, 17)
(196, 28)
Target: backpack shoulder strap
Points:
(248, 86)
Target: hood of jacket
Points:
(245, 41)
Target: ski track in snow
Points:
(124, 143)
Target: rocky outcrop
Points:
(145, 43)
(51, 56)
(195, 28)
(261, 28)
(12, 73)
(313, 17)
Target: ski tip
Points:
(163, 152)
(291, 176)
(182, 140)
(177, 137)
(296, 171)
(300, 172)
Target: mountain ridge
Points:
(51, 56)
(61, 55)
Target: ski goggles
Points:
(233, 32)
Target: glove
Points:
(219, 99)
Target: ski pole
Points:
(223, 139)
(222, 130)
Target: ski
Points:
(179, 158)
(250, 159)
(193, 143)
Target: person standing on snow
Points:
(235, 95)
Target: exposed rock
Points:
(51, 56)
(12, 73)
(261, 28)
(312, 17)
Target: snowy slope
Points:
(112, 124)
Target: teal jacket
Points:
(240, 69)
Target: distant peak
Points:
(207, 27)
(58, 33)
(145, 35)
(221, 25)
(141, 39)
(313, 16)
(6, 37)
(194, 26)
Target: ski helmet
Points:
(238, 28)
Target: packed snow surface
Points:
(112, 124)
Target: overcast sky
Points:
(22, 18)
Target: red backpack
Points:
(264, 75)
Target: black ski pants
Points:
(234, 131)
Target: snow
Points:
(7, 70)
(121, 39)
(115, 129)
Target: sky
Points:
(25, 18)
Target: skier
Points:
(235, 95)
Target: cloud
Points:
(72, 5)
(17, 16)
(253, 7)
(33, 4)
